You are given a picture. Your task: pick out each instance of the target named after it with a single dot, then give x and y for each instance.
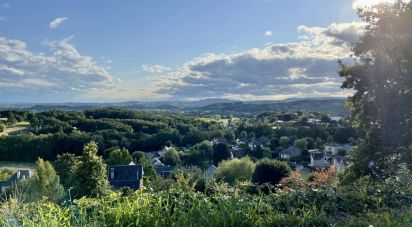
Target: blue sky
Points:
(73, 50)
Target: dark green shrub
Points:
(270, 171)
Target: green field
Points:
(17, 165)
(18, 128)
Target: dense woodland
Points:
(57, 132)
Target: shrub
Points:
(301, 143)
(45, 183)
(66, 167)
(5, 174)
(171, 157)
(270, 171)
(235, 169)
(119, 156)
(221, 152)
(139, 157)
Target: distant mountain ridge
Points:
(334, 106)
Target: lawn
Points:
(17, 165)
(18, 128)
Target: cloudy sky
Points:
(76, 50)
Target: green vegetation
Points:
(44, 183)
(234, 170)
(270, 171)
(256, 190)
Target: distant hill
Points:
(333, 106)
(208, 106)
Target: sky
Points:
(156, 50)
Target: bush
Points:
(235, 169)
(119, 156)
(270, 171)
(45, 183)
(171, 157)
(139, 157)
(221, 152)
(5, 174)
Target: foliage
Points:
(284, 141)
(66, 166)
(366, 202)
(171, 157)
(45, 183)
(91, 174)
(270, 171)
(236, 169)
(301, 143)
(5, 174)
(139, 157)
(119, 156)
(221, 151)
(381, 78)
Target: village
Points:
(301, 156)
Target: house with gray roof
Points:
(126, 176)
(290, 152)
(16, 177)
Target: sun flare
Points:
(368, 3)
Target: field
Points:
(18, 128)
(224, 122)
(17, 165)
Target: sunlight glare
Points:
(368, 3)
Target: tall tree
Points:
(382, 79)
(45, 183)
(91, 174)
(66, 167)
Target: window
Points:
(111, 173)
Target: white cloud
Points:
(155, 68)
(63, 68)
(57, 21)
(268, 33)
(370, 3)
(304, 68)
(3, 18)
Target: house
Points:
(340, 162)
(3, 118)
(254, 143)
(16, 177)
(314, 121)
(290, 152)
(126, 176)
(278, 122)
(238, 152)
(210, 171)
(333, 147)
(218, 140)
(318, 159)
(156, 162)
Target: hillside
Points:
(334, 106)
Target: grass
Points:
(17, 165)
(18, 128)
(210, 119)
